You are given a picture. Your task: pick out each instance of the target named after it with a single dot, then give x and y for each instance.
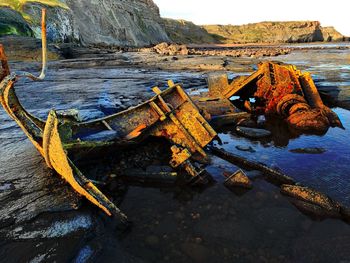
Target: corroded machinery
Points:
(170, 114)
(185, 122)
(279, 90)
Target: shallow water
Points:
(201, 225)
(325, 171)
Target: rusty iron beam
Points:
(275, 176)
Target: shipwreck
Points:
(188, 123)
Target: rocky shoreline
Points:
(41, 214)
(29, 49)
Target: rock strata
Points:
(274, 32)
(170, 49)
(186, 32)
(118, 22)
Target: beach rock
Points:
(315, 150)
(238, 179)
(334, 95)
(314, 200)
(170, 49)
(245, 148)
(314, 211)
(274, 32)
(252, 132)
(249, 51)
(152, 241)
(197, 252)
(122, 23)
(345, 213)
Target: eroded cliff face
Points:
(138, 23)
(331, 34)
(118, 22)
(186, 32)
(274, 32)
(112, 22)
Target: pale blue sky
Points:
(331, 13)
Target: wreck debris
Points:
(309, 195)
(185, 123)
(244, 148)
(219, 85)
(252, 132)
(170, 49)
(279, 90)
(312, 202)
(170, 114)
(275, 176)
(315, 150)
(315, 203)
(315, 101)
(238, 179)
(228, 119)
(144, 176)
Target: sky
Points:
(328, 12)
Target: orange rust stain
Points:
(56, 158)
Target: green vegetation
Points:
(181, 31)
(14, 30)
(8, 30)
(18, 5)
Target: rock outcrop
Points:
(170, 49)
(274, 32)
(331, 34)
(12, 22)
(186, 32)
(137, 23)
(90, 22)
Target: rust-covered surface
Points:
(170, 114)
(185, 122)
(279, 90)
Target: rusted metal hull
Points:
(170, 114)
(279, 90)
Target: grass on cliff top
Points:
(19, 4)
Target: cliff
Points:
(186, 32)
(111, 22)
(274, 32)
(138, 23)
(331, 34)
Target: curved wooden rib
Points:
(45, 138)
(56, 158)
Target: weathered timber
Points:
(276, 177)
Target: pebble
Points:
(152, 240)
(238, 179)
(244, 148)
(252, 132)
(315, 150)
(198, 240)
(197, 252)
